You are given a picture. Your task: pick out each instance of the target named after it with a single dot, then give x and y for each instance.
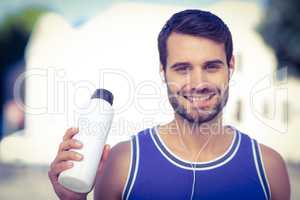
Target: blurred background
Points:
(54, 54)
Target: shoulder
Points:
(111, 180)
(276, 172)
(120, 151)
(273, 161)
(271, 155)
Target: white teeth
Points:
(201, 98)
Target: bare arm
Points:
(111, 180)
(277, 174)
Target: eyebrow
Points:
(210, 62)
(216, 61)
(180, 64)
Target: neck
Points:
(195, 135)
(210, 138)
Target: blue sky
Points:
(75, 10)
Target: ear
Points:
(231, 66)
(162, 73)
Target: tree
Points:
(14, 34)
(280, 29)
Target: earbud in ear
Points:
(230, 72)
(162, 76)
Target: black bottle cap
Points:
(103, 94)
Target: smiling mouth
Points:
(195, 98)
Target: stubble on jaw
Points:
(200, 120)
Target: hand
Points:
(63, 162)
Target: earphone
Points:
(230, 72)
(162, 76)
(197, 155)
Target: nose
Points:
(196, 78)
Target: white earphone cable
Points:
(197, 155)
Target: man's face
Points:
(197, 77)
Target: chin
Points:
(198, 118)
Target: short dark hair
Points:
(196, 23)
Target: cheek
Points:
(223, 85)
(175, 83)
(219, 80)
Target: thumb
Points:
(104, 157)
(105, 152)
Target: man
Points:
(194, 156)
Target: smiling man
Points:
(194, 156)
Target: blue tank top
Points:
(156, 173)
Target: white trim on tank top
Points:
(236, 134)
(257, 169)
(264, 171)
(129, 170)
(136, 166)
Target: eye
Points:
(182, 69)
(212, 67)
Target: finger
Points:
(70, 133)
(68, 156)
(70, 144)
(59, 167)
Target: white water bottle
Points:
(93, 130)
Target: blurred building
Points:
(117, 50)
